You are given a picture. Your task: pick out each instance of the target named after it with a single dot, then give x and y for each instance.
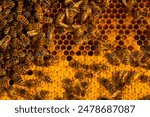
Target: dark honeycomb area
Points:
(74, 49)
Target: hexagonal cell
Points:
(69, 58)
(118, 26)
(136, 26)
(66, 42)
(118, 48)
(66, 52)
(121, 42)
(63, 47)
(108, 10)
(145, 42)
(111, 5)
(102, 31)
(136, 37)
(87, 48)
(90, 53)
(124, 37)
(130, 47)
(118, 37)
(117, 5)
(120, 21)
(139, 42)
(72, 52)
(130, 26)
(63, 37)
(123, 16)
(57, 36)
(105, 16)
(105, 37)
(120, 10)
(111, 15)
(57, 47)
(54, 52)
(111, 26)
(78, 53)
(81, 48)
(121, 32)
(127, 32)
(142, 37)
(84, 53)
(90, 42)
(60, 42)
(139, 32)
(114, 10)
(117, 15)
(141, 5)
(69, 36)
(105, 27)
(69, 47)
(96, 53)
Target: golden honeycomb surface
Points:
(104, 56)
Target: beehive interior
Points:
(74, 49)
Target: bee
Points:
(5, 12)
(97, 11)
(20, 69)
(68, 2)
(99, 67)
(32, 83)
(44, 93)
(29, 58)
(75, 64)
(50, 34)
(5, 42)
(48, 2)
(3, 23)
(7, 55)
(32, 33)
(145, 58)
(2, 72)
(85, 67)
(144, 78)
(75, 6)
(40, 13)
(48, 79)
(79, 75)
(8, 4)
(20, 7)
(129, 4)
(22, 19)
(34, 1)
(6, 29)
(113, 59)
(88, 75)
(25, 40)
(48, 20)
(16, 44)
(17, 79)
(13, 31)
(86, 13)
(108, 85)
(70, 14)
(66, 83)
(59, 20)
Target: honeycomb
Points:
(75, 49)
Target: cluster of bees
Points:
(27, 31)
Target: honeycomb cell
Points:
(99, 26)
(139, 32)
(121, 43)
(66, 52)
(127, 32)
(124, 37)
(105, 16)
(133, 21)
(139, 42)
(90, 53)
(139, 21)
(136, 26)
(111, 16)
(145, 21)
(54, 52)
(114, 10)
(142, 37)
(66, 42)
(60, 10)
(111, 5)
(130, 47)
(29, 72)
(11, 82)
(123, 16)
(63, 47)
(57, 36)
(120, 10)
(84, 53)
(93, 47)
(87, 48)
(78, 53)
(60, 42)
(103, 11)
(69, 36)
(108, 10)
(111, 26)
(69, 58)
(108, 32)
(118, 37)
(108, 21)
(81, 48)
(130, 26)
(63, 37)
(145, 42)
(114, 1)
(90, 42)
(105, 27)
(141, 5)
(121, 32)
(69, 47)
(136, 37)
(118, 48)
(72, 42)
(54, 10)
(105, 37)
(120, 21)
(102, 31)
(118, 5)
(118, 26)
(57, 47)
(58, 5)
(72, 52)
(138, 1)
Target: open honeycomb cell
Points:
(74, 50)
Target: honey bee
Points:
(2, 72)
(113, 59)
(75, 6)
(129, 4)
(68, 2)
(88, 75)
(48, 20)
(32, 33)
(25, 40)
(50, 33)
(86, 13)
(18, 79)
(34, 1)
(75, 64)
(6, 30)
(59, 20)
(16, 44)
(145, 49)
(108, 85)
(146, 97)
(20, 7)
(79, 75)
(144, 58)
(5, 12)
(8, 4)
(5, 42)
(70, 14)
(40, 13)
(22, 19)
(44, 93)
(66, 83)
(47, 79)
(97, 11)
(49, 2)
(13, 32)
(32, 83)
